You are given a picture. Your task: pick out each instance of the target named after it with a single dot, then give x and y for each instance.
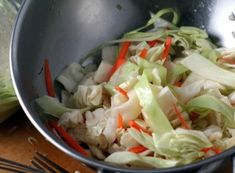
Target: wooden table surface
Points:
(14, 145)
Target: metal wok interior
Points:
(65, 31)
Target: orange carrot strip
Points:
(153, 43)
(68, 139)
(48, 80)
(144, 53)
(216, 150)
(179, 83)
(121, 91)
(124, 50)
(121, 56)
(194, 115)
(228, 60)
(136, 126)
(119, 63)
(120, 121)
(137, 149)
(180, 117)
(167, 48)
(205, 150)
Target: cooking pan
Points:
(65, 31)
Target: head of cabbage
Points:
(8, 100)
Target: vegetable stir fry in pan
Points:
(161, 96)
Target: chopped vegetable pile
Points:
(162, 96)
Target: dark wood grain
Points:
(14, 145)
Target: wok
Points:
(65, 31)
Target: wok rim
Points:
(66, 149)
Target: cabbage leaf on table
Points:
(8, 99)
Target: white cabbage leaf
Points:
(88, 96)
(127, 115)
(231, 98)
(109, 53)
(71, 76)
(166, 100)
(209, 102)
(185, 93)
(152, 112)
(81, 133)
(124, 73)
(102, 74)
(88, 79)
(142, 138)
(208, 70)
(52, 106)
(8, 101)
(182, 145)
(125, 157)
(127, 140)
(214, 133)
(96, 121)
(71, 119)
(96, 152)
(137, 48)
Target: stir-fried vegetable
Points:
(212, 103)
(182, 145)
(68, 139)
(129, 158)
(120, 121)
(138, 127)
(137, 149)
(48, 80)
(121, 57)
(166, 52)
(168, 98)
(186, 126)
(203, 67)
(152, 112)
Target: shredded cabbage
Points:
(125, 72)
(88, 95)
(152, 112)
(142, 138)
(203, 67)
(167, 100)
(123, 158)
(158, 73)
(71, 76)
(182, 145)
(209, 102)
